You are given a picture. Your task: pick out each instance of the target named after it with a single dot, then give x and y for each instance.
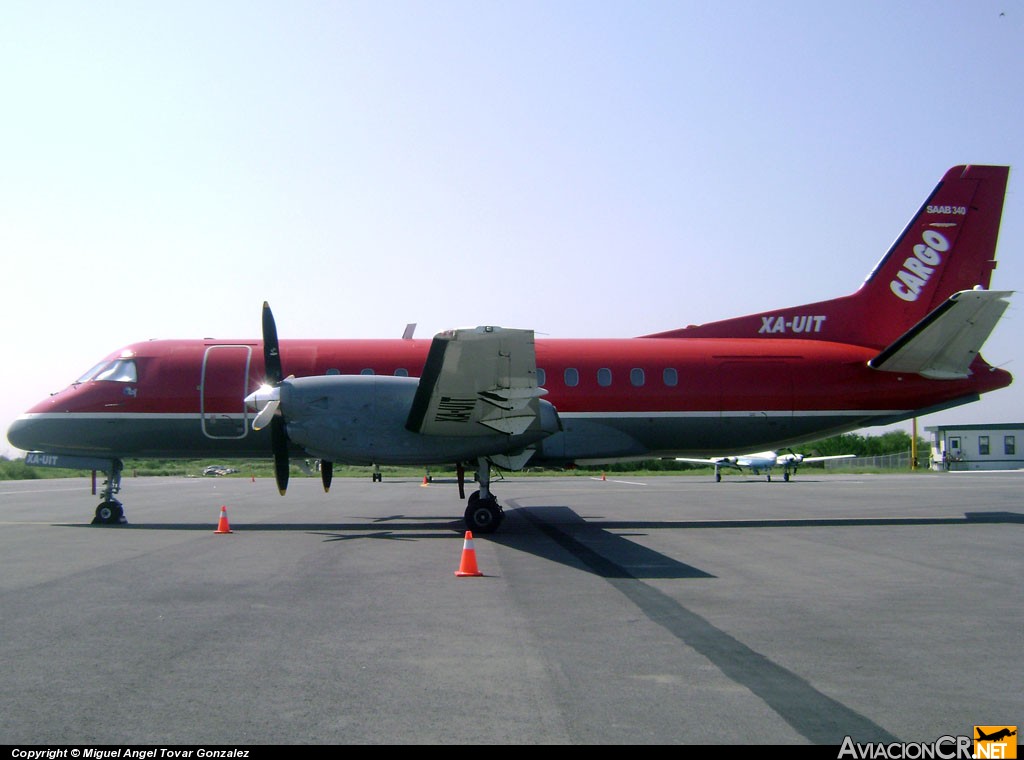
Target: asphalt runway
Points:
(662, 610)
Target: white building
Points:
(977, 447)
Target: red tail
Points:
(948, 246)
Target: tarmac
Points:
(645, 611)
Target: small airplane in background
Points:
(906, 343)
(762, 463)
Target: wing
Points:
(720, 462)
(822, 459)
(943, 344)
(477, 381)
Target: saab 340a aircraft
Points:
(904, 344)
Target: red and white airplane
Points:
(905, 343)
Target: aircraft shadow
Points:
(559, 534)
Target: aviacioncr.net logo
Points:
(943, 748)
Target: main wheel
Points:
(483, 515)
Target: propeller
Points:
(796, 457)
(267, 399)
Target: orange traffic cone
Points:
(222, 526)
(468, 566)
(603, 477)
(425, 481)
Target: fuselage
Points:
(615, 398)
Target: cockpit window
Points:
(91, 373)
(118, 371)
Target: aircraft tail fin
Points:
(949, 246)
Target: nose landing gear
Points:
(111, 511)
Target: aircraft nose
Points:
(20, 434)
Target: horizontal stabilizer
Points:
(478, 381)
(943, 344)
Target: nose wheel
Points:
(111, 511)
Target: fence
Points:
(900, 461)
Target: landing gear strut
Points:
(484, 514)
(111, 511)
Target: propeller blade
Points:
(279, 443)
(272, 397)
(326, 473)
(271, 349)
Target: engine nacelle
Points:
(361, 419)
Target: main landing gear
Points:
(484, 514)
(111, 511)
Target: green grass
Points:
(260, 468)
(849, 443)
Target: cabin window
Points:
(333, 371)
(670, 377)
(366, 371)
(604, 377)
(1010, 445)
(983, 445)
(636, 376)
(541, 377)
(118, 371)
(571, 376)
(401, 372)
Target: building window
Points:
(572, 377)
(670, 377)
(1010, 445)
(983, 445)
(636, 376)
(604, 377)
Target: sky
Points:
(584, 169)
